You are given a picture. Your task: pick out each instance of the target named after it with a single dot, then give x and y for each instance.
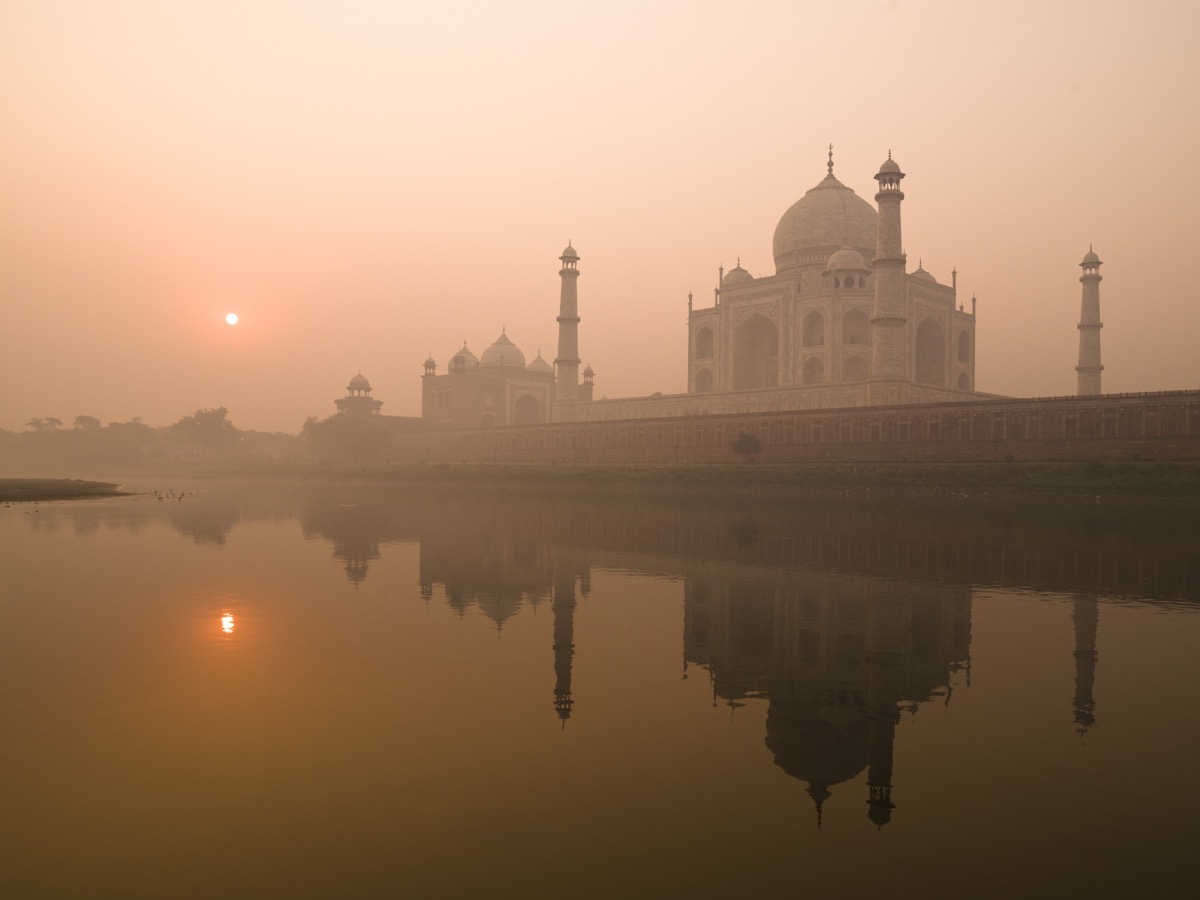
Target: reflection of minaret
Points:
(885, 653)
(1085, 616)
(564, 639)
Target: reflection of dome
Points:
(828, 216)
(808, 746)
(846, 258)
(464, 360)
(359, 383)
(502, 353)
(736, 276)
(540, 365)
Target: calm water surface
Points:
(341, 690)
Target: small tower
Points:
(358, 398)
(430, 366)
(566, 364)
(588, 388)
(889, 320)
(1089, 367)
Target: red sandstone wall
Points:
(1117, 426)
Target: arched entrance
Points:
(931, 354)
(527, 410)
(756, 354)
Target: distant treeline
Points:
(206, 437)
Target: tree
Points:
(747, 445)
(207, 428)
(87, 422)
(346, 436)
(47, 424)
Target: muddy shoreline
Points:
(18, 490)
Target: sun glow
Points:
(227, 623)
(232, 318)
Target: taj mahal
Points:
(841, 324)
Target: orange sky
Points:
(366, 183)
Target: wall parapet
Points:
(1160, 425)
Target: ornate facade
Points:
(839, 310)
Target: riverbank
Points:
(16, 490)
(1134, 478)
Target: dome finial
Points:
(830, 163)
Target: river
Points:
(328, 690)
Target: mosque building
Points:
(841, 324)
(841, 321)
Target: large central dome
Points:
(827, 217)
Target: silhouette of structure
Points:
(840, 323)
(1089, 367)
(358, 398)
(499, 388)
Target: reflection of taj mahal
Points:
(838, 646)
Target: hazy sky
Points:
(366, 183)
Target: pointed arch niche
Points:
(931, 354)
(756, 354)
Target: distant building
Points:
(840, 323)
(498, 388)
(359, 402)
(358, 398)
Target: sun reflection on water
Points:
(227, 623)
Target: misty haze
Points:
(669, 450)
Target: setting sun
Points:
(232, 318)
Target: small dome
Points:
(503, 352)
(430, 362)
(540, 365)
(923, 275)
(359, 383)
(569, 253)
(588, 373)
(1090, 259)
(735, 276)
(890, 166)
(464, 360)
(846, 258)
